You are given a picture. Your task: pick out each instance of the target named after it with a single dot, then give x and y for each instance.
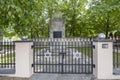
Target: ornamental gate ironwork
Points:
(63, 55)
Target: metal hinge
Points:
(93, 46)
(32, 46)
(32, 65)
(93, 65)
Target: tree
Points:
(104, 16)
(72, 12)
(32, 17)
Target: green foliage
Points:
(104, 16)
(32, 17)
(117, 33)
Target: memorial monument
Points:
(57, 28)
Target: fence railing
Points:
(7, 54)
(116, 53)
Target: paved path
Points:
(62, 77)
(116, 71)
(7, 71)
(41, 76)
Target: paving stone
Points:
(62, 77)
(7, 71)
(56, 77)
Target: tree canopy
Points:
(83, 17)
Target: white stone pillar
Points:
(102, 58)
(24, 58)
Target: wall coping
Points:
(103, 40)
(21, 41)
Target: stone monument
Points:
(57, 28)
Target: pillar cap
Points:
(23, 41)
(101, 36)
(103, 40)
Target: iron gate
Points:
(116, 53)
(63, 55)
(7, 54)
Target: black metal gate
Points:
(68, 55)
(7, 55)
(116, 53)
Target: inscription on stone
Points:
(57, 34)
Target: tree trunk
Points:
(73, 21)
(1, 39)
(107, 30)
(107, 26)
(72, 31)
(1, 36)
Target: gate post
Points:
(24, 58)
(102, 58)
